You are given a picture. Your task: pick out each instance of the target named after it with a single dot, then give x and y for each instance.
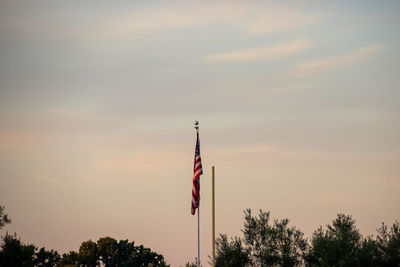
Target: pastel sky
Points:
(298, 103)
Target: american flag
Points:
(197, 171)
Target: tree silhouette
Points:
(273, 244)
(4, 219)
(15, 253)
(70, 259)
(44, 258)
(341, 244)
(230, 253)
(389, 244)
(108, 251)
(337, 246)
(264, 243)
(88, 254)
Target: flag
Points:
(197, 171)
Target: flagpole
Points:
(198, 208)
(213, 216)
(198, 236)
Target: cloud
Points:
(169, 17)
(279, 20)
(253, 19)
(338, 61)
(259, 53)
(130, 22)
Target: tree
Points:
(70, 260)
(46, 258)
(389, 244)
(274, 244)
(144, 256)
(191, 264)
(88, 254)
(130, 255)
(125, 253)
(341, 244)
(108, 251)
(4, 219)
(338, 245)
(368, 253)
(230, 253)
(15, 253)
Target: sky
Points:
(298, 104)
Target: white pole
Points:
(198, 236)
(213, 217)
(196, 126)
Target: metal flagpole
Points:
(213, 216)
(198, 207)
(198, 236)
(197, 171)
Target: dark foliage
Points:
(4, 219)
(265, 243)
(70, 259)
(340, 244)
(388, 243)
(110, 253)
(15, 253)
(273, 244)
(230, 253)
(46, 258)
(106, 252)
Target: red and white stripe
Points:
(197, 171)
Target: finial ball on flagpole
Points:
(196, 124)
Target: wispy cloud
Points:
(338, 61)
(278, 20)
(171, 16)
(259, 53)
(253, 19)
(131, 23)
